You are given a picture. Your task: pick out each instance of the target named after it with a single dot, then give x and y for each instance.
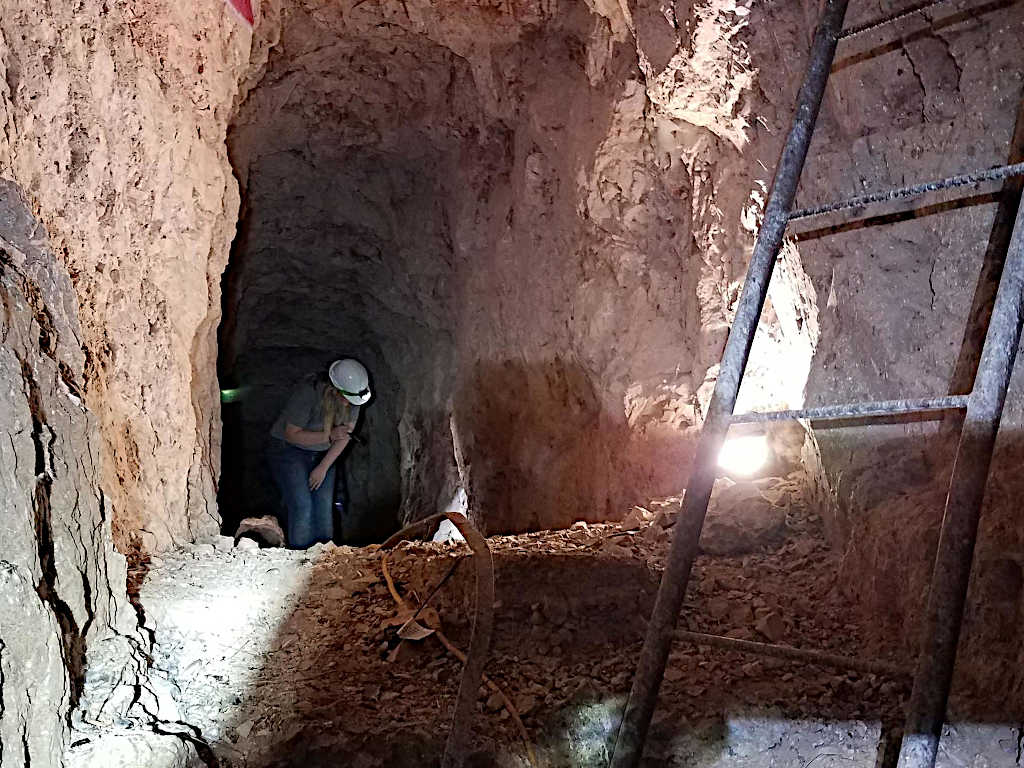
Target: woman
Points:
(310, 434)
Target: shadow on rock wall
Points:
(540, 446)
(545, 447)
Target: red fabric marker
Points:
(244, 9)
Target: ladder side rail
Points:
(952, 568)
(643, 695)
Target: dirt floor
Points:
(279, 658)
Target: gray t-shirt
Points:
(305, 410)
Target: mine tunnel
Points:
(344, 250)
(675, 448)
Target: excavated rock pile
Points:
(284, 658)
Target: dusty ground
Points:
(282, 658)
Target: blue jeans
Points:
(309, 518)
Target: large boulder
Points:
(265, 531)
(743, 517)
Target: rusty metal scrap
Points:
(457, 745)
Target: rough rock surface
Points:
(515, 224)
(112, 121)
(68, 636)
(743, 517)
(264, 530)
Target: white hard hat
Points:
(351, 379)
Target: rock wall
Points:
(116, 210)
(113, 125)
(531, 219)
(68, 636)
(933, 96)
(528, 230)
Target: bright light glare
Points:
(744, 455)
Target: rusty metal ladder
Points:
(981, 409)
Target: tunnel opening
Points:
(411, 197)
(347, 151)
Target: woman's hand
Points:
(340, 433)
(316, 477)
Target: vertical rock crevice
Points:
(72, 638)
(68, 636)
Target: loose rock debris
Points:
(411, 630)
(286, 658)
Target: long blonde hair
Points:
(334, 405)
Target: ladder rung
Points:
(964, 179)
(875, 23)
(859, 410)
(871, 666)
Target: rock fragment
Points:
(740, 520)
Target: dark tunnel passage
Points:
(344, 249)
(406, 207)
